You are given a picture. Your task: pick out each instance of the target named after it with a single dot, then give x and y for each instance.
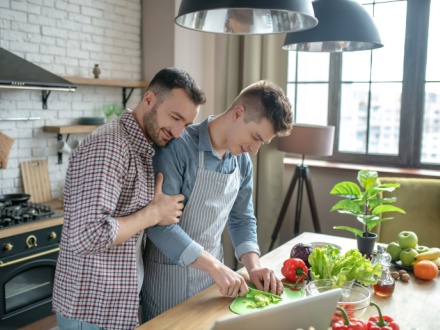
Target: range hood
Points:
(17, 73)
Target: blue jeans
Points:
(69, 324)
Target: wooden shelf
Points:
(106, 82)
(125, 84)
(70, 129)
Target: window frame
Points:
(413, 96)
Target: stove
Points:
(13, 214)
(29, 245)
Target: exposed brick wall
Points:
(65, 37)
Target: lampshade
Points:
(308, 140)
(343, 26)
(246, 16)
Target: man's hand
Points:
(168, 209)
(163, 210)
(263, 278)
(230, 283)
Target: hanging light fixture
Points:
(243, 17)
(343, 26)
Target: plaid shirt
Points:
(109, 175)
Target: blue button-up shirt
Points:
(179, 162)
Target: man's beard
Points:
(152, 129)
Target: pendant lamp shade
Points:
(241, 17)
(343, 26)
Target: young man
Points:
(110, 197)
(211, 167)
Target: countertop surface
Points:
(414, 305)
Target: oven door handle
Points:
(13, 262)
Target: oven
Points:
(29, 244)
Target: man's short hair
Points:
(265, 99)
(170, 78)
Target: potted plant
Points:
(364, 202)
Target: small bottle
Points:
(385, 285)
(374, 258)
(96, 71)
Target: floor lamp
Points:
(304, 140)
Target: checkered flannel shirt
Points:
(109, 175)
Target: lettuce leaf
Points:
(329, 263)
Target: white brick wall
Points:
(65, 37)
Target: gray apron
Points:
(204, 219)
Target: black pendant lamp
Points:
(343, 26)
(242, 17)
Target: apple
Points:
(394, 250)
(408, 256)
(422, 248)
(407, 239)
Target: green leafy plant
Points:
(363, 201)
(330, 263)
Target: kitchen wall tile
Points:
(65, 37)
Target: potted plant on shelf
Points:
(364, 202)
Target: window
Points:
(385, 103)
(430, 153)
(311, 89)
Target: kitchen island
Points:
(413, 305)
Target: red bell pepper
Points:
(337, 316)
(381, 322)
(348, 323)
(295, 270)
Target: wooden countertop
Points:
(413, 305)
(31, 226)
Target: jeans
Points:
(69, 324)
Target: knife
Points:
(255, 291)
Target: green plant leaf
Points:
(350, 229)
(379, 201)
(388, 186)
(387, 208)
(369, 217)
(367, 178)
(346, 189)
(348, 205)
(372, 192)
(374, 223)
(350, 212)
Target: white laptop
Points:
(313, 311)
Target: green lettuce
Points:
(329, 263)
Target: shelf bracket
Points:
(45, 95)
(124, 97)
(60, 154)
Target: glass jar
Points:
(385, 284)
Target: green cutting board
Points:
(240, 305)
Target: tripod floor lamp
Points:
(304, 140)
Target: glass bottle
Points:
(385, 285)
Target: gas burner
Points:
(25, 212)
